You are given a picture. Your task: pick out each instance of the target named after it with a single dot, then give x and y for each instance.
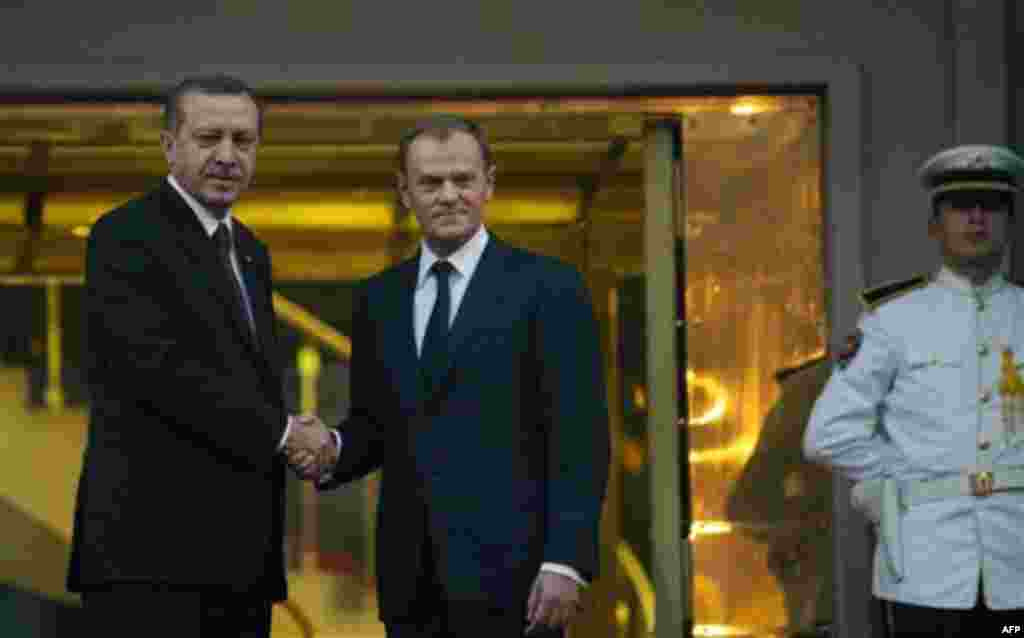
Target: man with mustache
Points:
(918, 413)
(478, 388)
(178, 525)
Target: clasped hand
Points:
(310, 448)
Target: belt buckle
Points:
(981, 483)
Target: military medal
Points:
(1011, 390)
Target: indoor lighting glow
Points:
(715, 631)
(738, 452)
(315, 210)
(312, 210)
(754, 105)
(714, 390)
(12, 209)
(72, 210)
(709, 528)
(743, 109)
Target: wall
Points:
(906, 53)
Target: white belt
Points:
(980, 484)
(883, 500)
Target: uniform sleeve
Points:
(843, 431)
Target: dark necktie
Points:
(224, 241)
(434, 353)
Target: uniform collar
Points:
(206, 218)
(465, 259)
(947, 277)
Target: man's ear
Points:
(490, 176)
(402, 185)
(167, 143)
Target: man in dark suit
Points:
(179, 516)
(477, 385)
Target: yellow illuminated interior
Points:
(324, 201)
(12, 209)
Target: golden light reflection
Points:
(313, 210)
(639, 397)
(720, 630)
(715, 391)
(622, 614)
(12, 209)
(738, 452)
(640, 581)
(80, 231)
(706, 383)
(746, 106)
(709, 528)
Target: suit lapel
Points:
(202, 262)
(401, 336)
(255, 274)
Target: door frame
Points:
(839, 83)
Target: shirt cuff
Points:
(337, 439)
(564, 570)
(287, 431)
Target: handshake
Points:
(311, 449)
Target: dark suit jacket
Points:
(505, 466)
(181, 481)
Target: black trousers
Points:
(158, 611)
(911, 621)
(434, 615)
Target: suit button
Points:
(986, 396)
(983, 350)
(984, 445)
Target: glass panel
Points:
(754, 304)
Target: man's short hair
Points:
(218, 84)
(441, 126)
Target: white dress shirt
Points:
(210, 224)
(464, 260)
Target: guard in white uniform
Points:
(925, 412)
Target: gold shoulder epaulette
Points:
(785, 373)
(874, 297)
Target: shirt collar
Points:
(947, 277)
(206, 218)
(465, 259)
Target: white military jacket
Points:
(919, 399)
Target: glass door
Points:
(722, 343)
